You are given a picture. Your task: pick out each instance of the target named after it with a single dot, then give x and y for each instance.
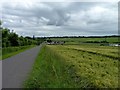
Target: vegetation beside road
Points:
(0, 53)
(11, 39)
(65, 66)
(12, 44)
(11, 51)
(50, 71)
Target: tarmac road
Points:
(16, 68)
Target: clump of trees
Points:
(10, 38)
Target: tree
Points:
(0, 22)
(5, 36)
(13, 38)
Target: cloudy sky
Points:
(60, 18)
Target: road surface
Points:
(16, 68)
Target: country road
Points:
(16, 68)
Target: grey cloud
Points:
(51, 19)
(55, 16)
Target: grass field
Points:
(84, 40)
(10, 51)
(75, 66)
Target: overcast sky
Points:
(60, 18)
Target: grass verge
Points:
(61, 66)
(11, 51)
(51, 70)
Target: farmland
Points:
(75, 66)
(59, 44)
(80, 40)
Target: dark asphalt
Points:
(16, 68)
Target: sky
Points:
(74, 18)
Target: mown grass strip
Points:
(107, 50)
(92, 52)
(11, 51)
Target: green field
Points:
(75, 66)
(87, 40)
(10, 51)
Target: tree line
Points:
(10, 38)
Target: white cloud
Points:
(65, 18)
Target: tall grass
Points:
(102, 71)
(50, 70)
(59, 66)
(0, 53)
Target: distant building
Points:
(49, 42)
(114, 45)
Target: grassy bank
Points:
(0, 53)
(10, 51)
(51, 71)
(65, 66)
